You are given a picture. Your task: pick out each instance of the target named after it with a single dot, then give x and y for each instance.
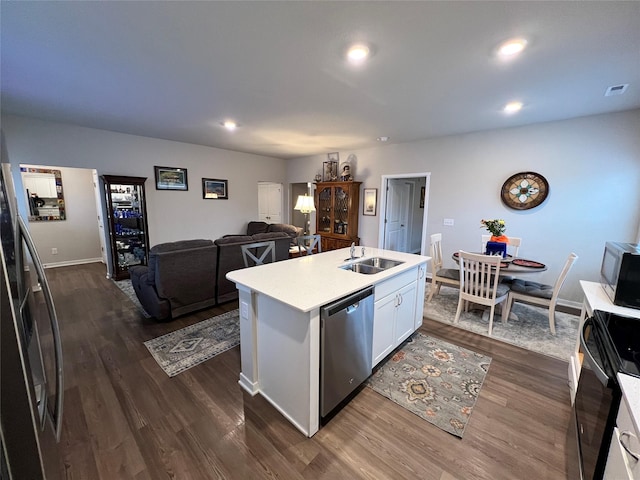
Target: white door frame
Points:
(424, 245)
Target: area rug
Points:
(178, 351)
(530, 331)
(436, 380)
(127, 289)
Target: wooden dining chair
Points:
(439, 275)
(261, 249)
(480, 284)
(513, 247)
(540, 294)
(309, 243)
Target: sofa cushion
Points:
(263, 237)
(257, 227)
(290, 230)
(226, 240)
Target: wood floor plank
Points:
(126, 419)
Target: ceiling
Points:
(176, 70)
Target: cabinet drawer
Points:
(628, 437)
(395, 283)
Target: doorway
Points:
(404, 209)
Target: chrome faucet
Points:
(353, 250)
(362, 251)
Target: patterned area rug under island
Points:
(436, 380)
(178, 351)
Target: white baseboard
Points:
(72, 262)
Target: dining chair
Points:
(439, 275)
(513, 247)
(309, 243)
(480, 284)
(540, 294)
(261, 249)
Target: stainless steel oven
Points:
(609, 344)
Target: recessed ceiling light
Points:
(230, 125)
(358, 53)
(383, 139)
(511, 48)
(512, 107)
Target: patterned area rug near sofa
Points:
(530, 331)
(434, 379)
(127, 289)
(178, 351)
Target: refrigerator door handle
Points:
(22, 233)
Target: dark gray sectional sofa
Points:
(190, 275)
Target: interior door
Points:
(270, 202)
(396, 226)
(101, 234)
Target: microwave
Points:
(620, 273)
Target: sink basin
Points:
(372, 265)
(361, 268)
(379, 262)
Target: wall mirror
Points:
(43, 187)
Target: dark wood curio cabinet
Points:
(127, 219)
(337, 210)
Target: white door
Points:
(98, 192)
(398, 195)
(270, 202)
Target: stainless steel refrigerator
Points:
(31, 374)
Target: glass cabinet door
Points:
(323, 212)
(128, 224)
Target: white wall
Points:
(76, 237)
(172, 215)
(592, 165)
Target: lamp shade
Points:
(305, 204)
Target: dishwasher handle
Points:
(349, 303)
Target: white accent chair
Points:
(306, 244)
(480, 284)
(513, 247)
(256, 253)
(539, 294)
(439, 275)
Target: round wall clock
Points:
(524, 190)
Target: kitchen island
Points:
(280, 321)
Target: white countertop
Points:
(630, 386)
(309, 282)
(597, 299)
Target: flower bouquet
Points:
(497, 228)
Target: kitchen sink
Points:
(379, 262)
(371, 266)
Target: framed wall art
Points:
(370, 201)
(215, 189)
(171, 178)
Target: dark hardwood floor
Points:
(126, 419)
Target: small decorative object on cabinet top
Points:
(497, 228)
(524, 190)
(330, 171)
(345, 172)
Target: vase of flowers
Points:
(497, 228)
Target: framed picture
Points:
(330, 171)
(215, 189)
(370, 201)
(170, 178)
(333, 157)
(422, 197)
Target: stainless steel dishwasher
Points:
(346, 336)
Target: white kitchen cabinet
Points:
(394, 318)
(270, 202)
(621, 464)
(422, 283)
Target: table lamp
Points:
(305, 205)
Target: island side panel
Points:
(288, 346)
(248, 341)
